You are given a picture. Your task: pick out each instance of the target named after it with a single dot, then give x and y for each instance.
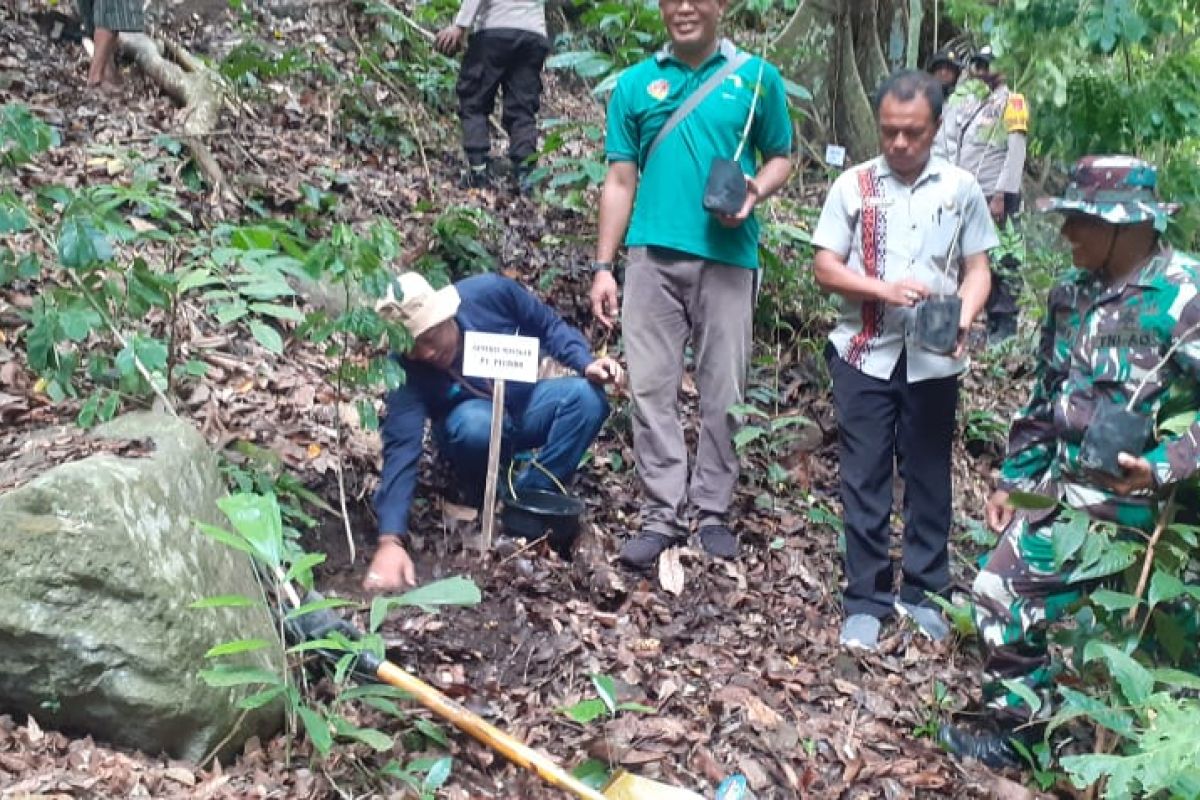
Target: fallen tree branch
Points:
(189, 83)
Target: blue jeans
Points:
(562, 419)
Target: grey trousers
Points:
(669, 298)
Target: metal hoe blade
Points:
(626, 786)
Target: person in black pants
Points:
(506, 52)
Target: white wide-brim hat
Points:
(418, 306)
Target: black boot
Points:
(991, 748)
(522, 176)
(479, 174)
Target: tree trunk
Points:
(193, 86)
(834, 48)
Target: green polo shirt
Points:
(667, 211)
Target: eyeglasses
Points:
(675, 4)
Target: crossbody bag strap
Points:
(732, 65)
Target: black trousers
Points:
(1002, 300)
(497, 59)
(882, 423)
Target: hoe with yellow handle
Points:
(319, 624)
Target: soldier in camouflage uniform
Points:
(1109, 323)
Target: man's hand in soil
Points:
(604, 297)
(1138, 475)
(752, 195)
(604, 371)
(449, 39)
(998, 511)
(905, 293)
(391, 568)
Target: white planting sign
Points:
(500, 357)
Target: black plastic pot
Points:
(534, 513)
(1113, 430)
(937, 323)
(725, 190)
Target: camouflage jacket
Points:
(1098, 343)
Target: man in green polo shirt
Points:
(690, 274)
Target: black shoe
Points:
(523, 176)
(643, 550)
(990, 748)
(718, 541)
(478, 176)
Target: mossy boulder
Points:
(102, 559)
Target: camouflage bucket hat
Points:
(1117, 189)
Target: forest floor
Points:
(739, 659)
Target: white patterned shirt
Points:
(884, 228)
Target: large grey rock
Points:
(99, 560)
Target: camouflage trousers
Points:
(1018, 594)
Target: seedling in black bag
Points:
(725, 190)
(1119, 429)
(938, 315)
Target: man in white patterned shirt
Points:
(886, 226)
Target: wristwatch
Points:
(602, 266)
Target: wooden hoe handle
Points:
(473, 725)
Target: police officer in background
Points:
(984, 129)
(946, 67)
(507, 50)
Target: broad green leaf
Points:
(1068, 535)
(1164, 587)
(1177, 677)
(747, 434)
(606, 687)
(303, 566)
(1178, 424)
(237, 646)
(267, 336)
(196, 279)
(586, 711)
(225, 537)
(368, 736)
(386, 706)
(432, 732)
(454, 591)
(260, 699)
(224, 675)
(257, 519)
(317, 729)
(278, 311)
(1113, 601)
(593, 772)
(14, 218)
(1029, 501)
(317, 644)
(438, 774)
(1117, 557)
(225, 601)
(231, 311)
(1028, 695)
(81, 244)
(640, 708)
(1135, 680)
(374, 690)
(77, 323)
(1077, 703)
(318, 605)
